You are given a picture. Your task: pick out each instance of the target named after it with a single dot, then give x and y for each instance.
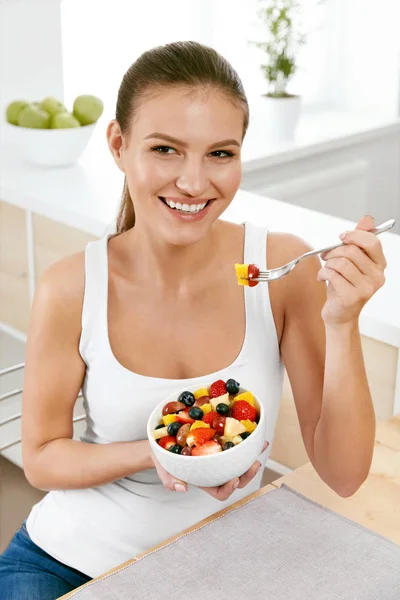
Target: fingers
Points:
(169, 481)
(265, 447)
(353, 254)
(368, 242)
(222, 492)
(249, 475)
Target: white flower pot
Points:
(281, 116)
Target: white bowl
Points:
(215, 469)
(50, 147)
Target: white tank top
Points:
(94, 530)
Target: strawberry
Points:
(200, 436)
(183, 417)
(167, 441)
(209, 417)
(243, 411)
(210, 447)
(253, 272)
(218, 388)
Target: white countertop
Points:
(86, 196)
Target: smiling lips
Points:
(184, 207)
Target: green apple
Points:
(34, 117)
(52, 105)
(13, 110)
(63, 120)
(87, 109)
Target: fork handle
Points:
(376, 230)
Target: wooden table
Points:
(376, 505)
(388, 432)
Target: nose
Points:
(193, 178)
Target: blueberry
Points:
(161, 426)
(187, 398)
(228, 445)
(173, 428)
(196, 413)
(245, 435)
(222, 409)
(176, 448)
(232, 386)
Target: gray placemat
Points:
(279, 546)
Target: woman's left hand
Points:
(354, 273)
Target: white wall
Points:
(30, 50)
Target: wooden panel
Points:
(381, 365)
(14, 283)
(380, 362)
(54, 241)
(388, 432)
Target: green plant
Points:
(286, 36)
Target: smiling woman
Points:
(155, 310)
(202, 97)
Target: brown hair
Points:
(186, 63)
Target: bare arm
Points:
(327, 374)
(53, 377)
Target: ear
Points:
(115, 143)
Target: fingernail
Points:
(343, 235)
(235, 485)
(258, 468)
(178, 487)
(369, 216)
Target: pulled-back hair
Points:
(188, 64)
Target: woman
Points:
(157, 307)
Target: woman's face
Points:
(182, 162)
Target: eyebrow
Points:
(173, 140)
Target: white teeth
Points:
(189, 208)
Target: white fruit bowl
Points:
(215, 469)
(50, 147)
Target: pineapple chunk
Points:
(224, 399)
(169, 419)
(237, 439)
(159, 433)
(200, 392)
(233, 427)
(198, 425)
(242, 274)
(250, 425)
(206, 408)
(248, 396)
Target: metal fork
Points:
(271, 274)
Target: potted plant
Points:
(286, 37)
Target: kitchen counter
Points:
(86, 196)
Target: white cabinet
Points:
(348, 178)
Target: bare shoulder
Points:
(284, 247)
(301, 285)
(60, 290)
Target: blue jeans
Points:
(28, 573)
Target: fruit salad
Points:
(246, 274)
(207, 421)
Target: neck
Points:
(173, 268)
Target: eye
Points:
(162, 149)
(226, 152)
